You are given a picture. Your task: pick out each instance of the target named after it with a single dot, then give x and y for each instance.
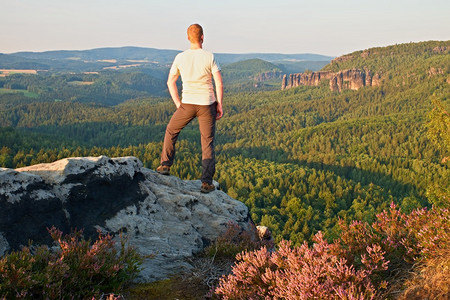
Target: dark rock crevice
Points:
(99, 199)
(28, 220)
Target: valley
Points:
(301, 158)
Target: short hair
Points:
(195, 33)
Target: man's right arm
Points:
(173, 90)
(219, 93)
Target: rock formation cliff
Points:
(261, 77)
(163, 216)
(348, 79)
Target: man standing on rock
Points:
(196, 67)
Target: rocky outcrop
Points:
(163, 216)
(441, 49)
(309, 79)
(435, 71)
(268, 76)
(353, 79)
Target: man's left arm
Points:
(219, 93)
(173, 90)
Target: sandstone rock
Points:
(352, 79)
(376, 79)
(369, 77)
(284, 82)
(334, 84)
(435, 71)
(441, 49)
(162, 216)
(365, 54)
(268, 76)
(291, 81)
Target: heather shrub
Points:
(295, 273)
(77, 270)
(357, 265)
(406, 238)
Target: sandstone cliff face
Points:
(441, 49)
(162, 215)
(435, 71)
(268, 76)
(348, 79)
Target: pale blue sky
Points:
(234, 26)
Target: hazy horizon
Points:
(287, 27)
(165, 49)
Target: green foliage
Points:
(395, 60)
(23, 92)
(76, 270)
(106, 88)
(439, 134)
(247, 69)
(178, 287)
(251, 75)
(439, 129)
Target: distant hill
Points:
(226, 58)
(125, 57)
(161, 56)
(396, 59)
(300, 66)
(249, 69)
(251, 74)
(9, 61)
(398, 65)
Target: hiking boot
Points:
(207, 188)
(163, 170)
